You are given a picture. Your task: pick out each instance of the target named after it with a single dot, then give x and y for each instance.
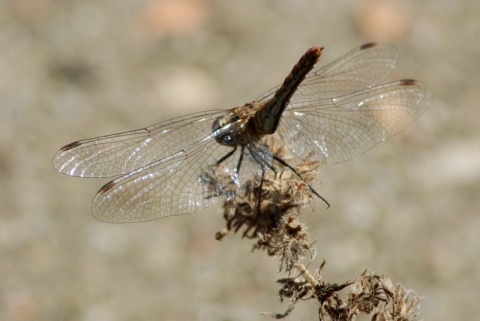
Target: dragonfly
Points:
(337, 111)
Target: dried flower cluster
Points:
(370, 294)
(268, 211)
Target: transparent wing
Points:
(178, 184)
(342, 127)
(359, 69)
(119, 154)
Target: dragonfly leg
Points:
(263, 164)
(284, 163)
(236, 171)
(259, 198)
(240, 160)
(221, 160)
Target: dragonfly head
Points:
(227, 128)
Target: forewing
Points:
(359, 69)
(342, 127)
(179, 184)
(119, 154)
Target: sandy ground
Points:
(408, 208)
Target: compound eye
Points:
(227, 139)
(222, 126)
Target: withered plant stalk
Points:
(269, 212)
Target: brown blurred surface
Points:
(408, 209)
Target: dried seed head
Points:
(268, 209)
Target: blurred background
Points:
(408, 209)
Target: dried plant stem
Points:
(306, 274)
(274, 221)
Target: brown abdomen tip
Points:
(315, 51)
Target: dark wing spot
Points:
(368, 45)
(408, 82)
(71, 146)
(107, 187)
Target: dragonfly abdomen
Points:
(267, 119)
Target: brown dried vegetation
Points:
(269, 212)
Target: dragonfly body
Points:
(337, 111)
(257, 119)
